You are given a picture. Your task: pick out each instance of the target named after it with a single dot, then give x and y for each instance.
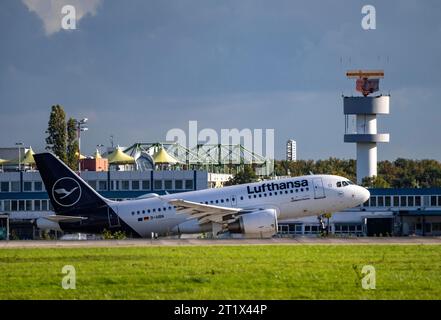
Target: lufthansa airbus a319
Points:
(250, 209)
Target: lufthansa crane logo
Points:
(66, 192)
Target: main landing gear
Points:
(323, 229)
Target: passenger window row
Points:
(275, 193)
(226, 200)
(153, 210)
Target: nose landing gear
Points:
(324, 229)
(322, 224)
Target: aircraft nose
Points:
(363, 194)
(360, 195)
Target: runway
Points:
(219, 242)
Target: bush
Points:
(118, 235)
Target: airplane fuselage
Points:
(290, 198)
(250, 209)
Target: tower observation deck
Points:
(365, 109)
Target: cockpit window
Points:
(344, 183)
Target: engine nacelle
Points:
(191, 226)
(258, 224)
(45, 224)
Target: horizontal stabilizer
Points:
(148, 195)
(60, 218)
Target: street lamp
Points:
(80, 128)
(19, 144)
(99, 146)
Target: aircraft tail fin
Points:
(68, 193)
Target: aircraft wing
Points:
(203, 212)
(60, 218)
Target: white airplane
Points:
(251, 210)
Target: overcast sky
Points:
(139, 68)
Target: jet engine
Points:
(191, 226)
(259, 224)
(46, 224)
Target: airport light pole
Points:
(19, 144)
(99, 146)
(81, 126)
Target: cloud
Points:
(49, 11)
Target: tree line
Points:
(401, 173)
(62, 137)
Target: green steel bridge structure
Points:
(215, 158)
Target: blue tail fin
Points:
(69, 194)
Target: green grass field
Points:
(223, 272)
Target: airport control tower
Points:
(365, 109)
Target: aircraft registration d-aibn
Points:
(249, 209)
